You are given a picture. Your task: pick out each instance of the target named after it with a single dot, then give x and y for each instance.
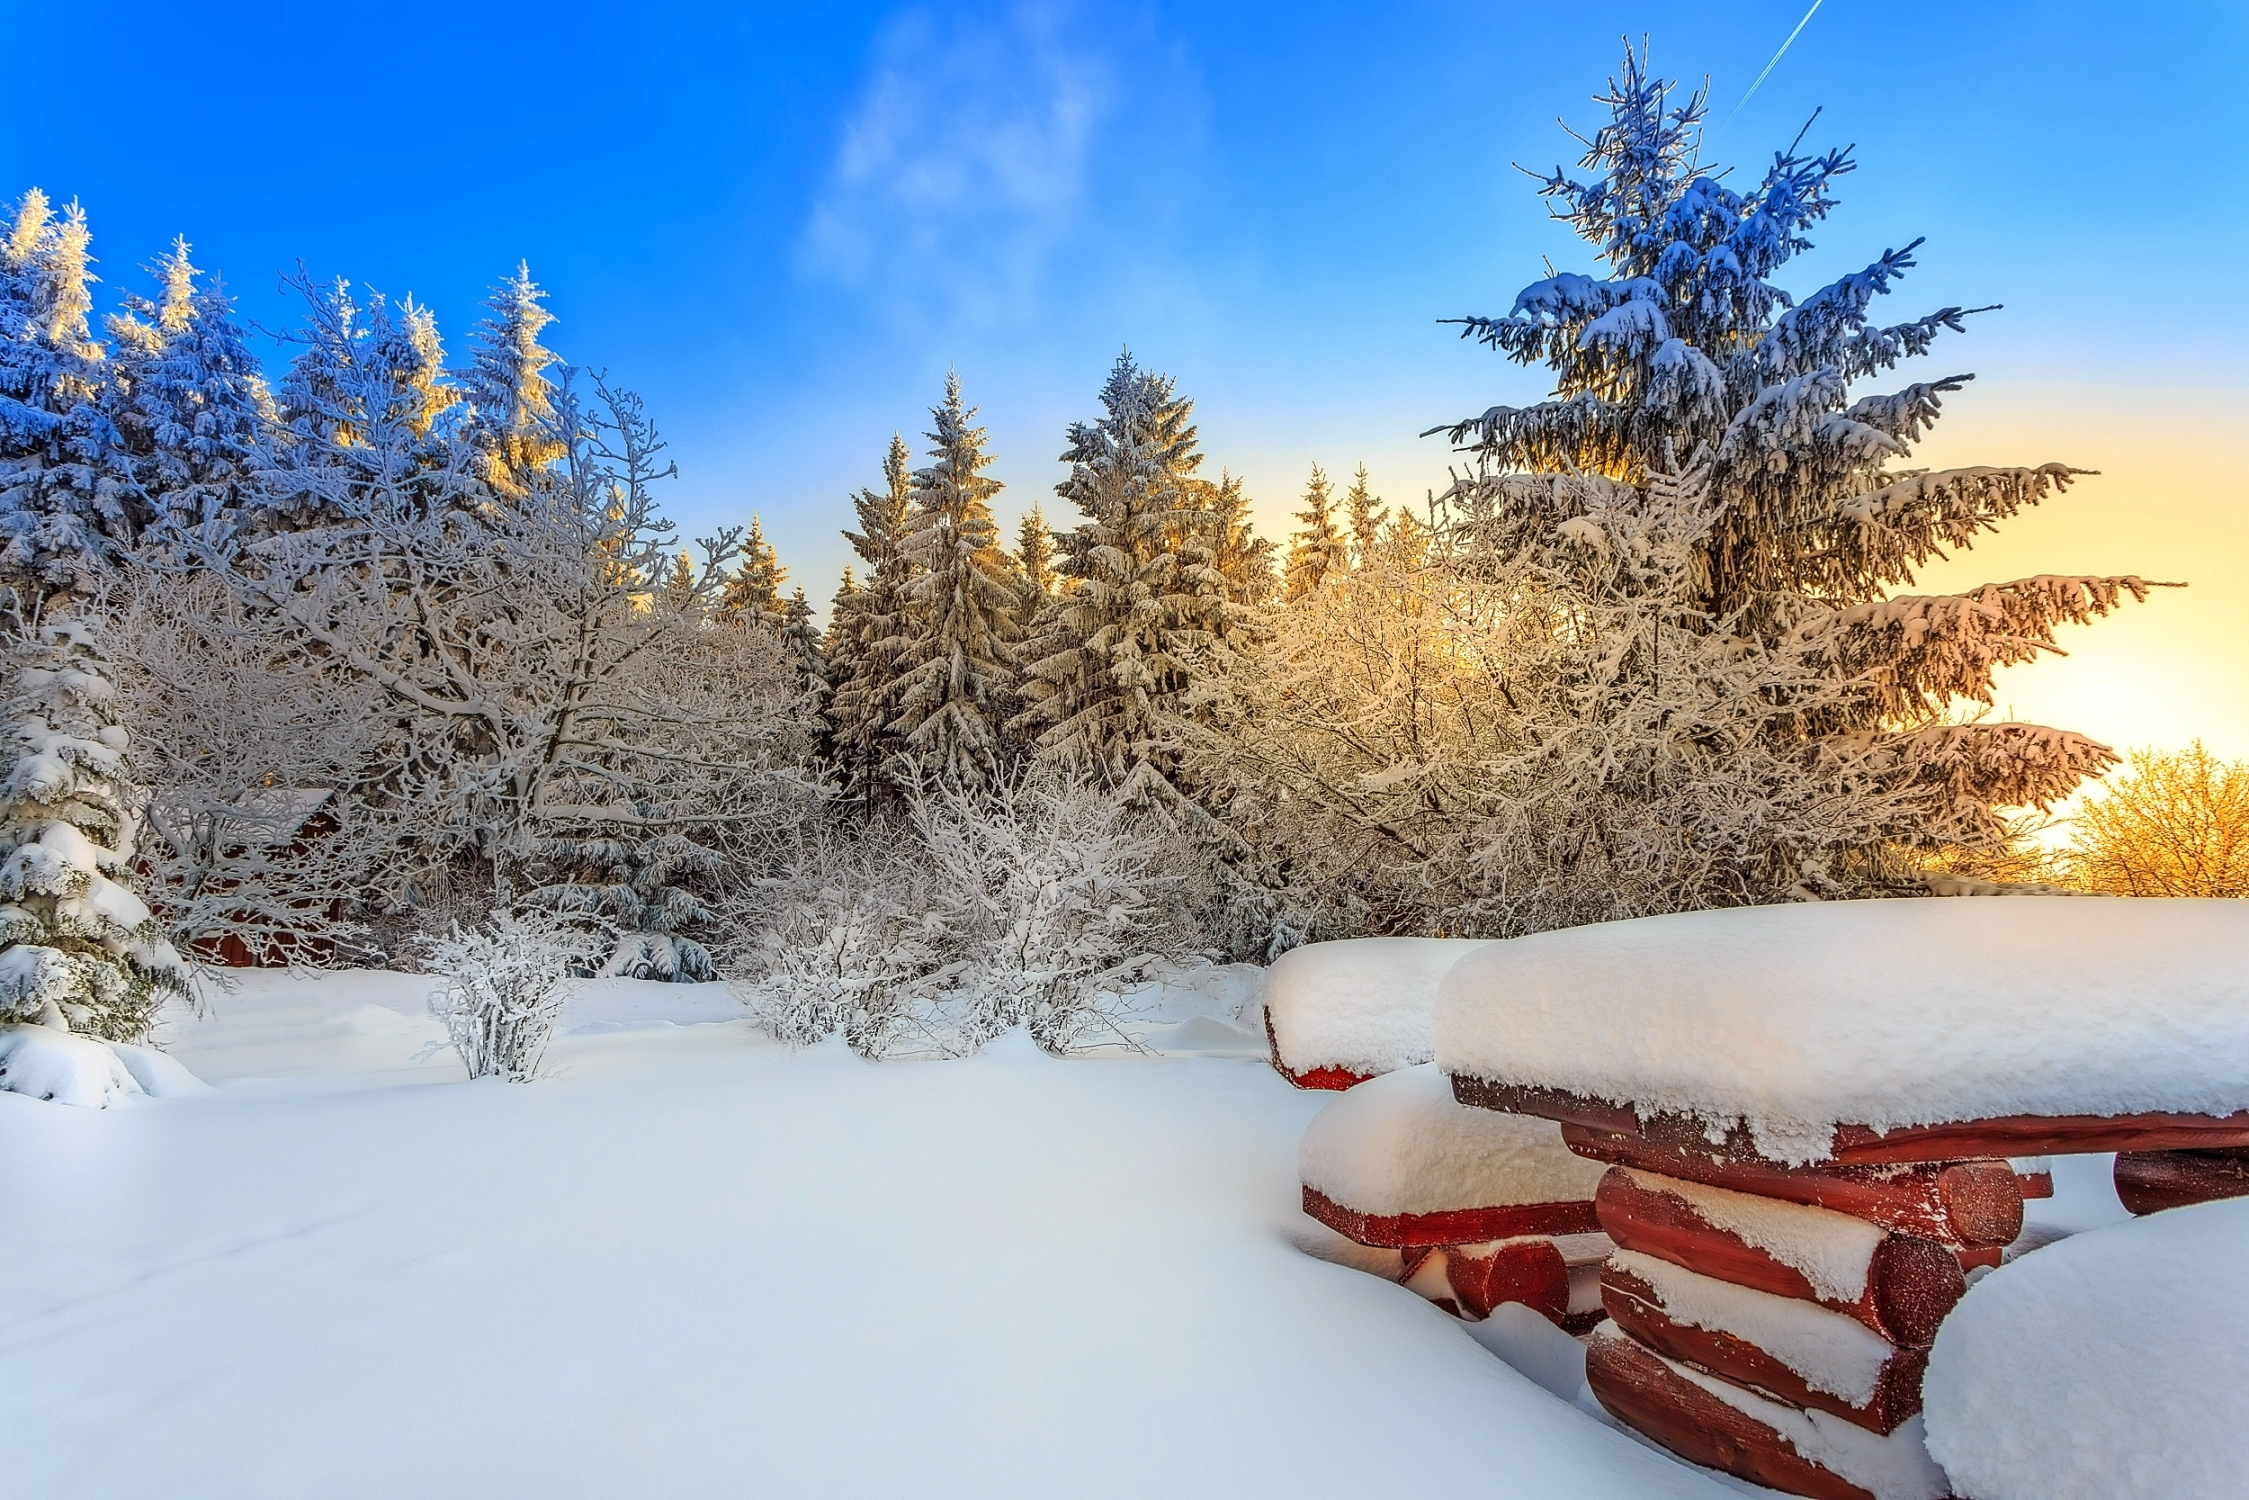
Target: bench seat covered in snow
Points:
(1340, 1013)
(1398, 1161)
(1861, 1032)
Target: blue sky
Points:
(782, 224)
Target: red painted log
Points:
(1657, 1402)
(1959, 1140)
(1639, 1310)
(1973, 1203)
(1326, 1077)
(2035, 1184)
(1911, 1283)
(1527, 1271)
(2150, 1181)
(1462, 1226)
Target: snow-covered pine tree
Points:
(957, 667)
(510, 399)
(1687, 353)
(1034, 559)
(1244, 558)
(78, 947)
(808, 658)
(1316, 549)
(1364, 513)
(186, 399)
(679, 583)
(753, 591)
(63, 513)
(1142, 602)
(366, 420)
(866, 631)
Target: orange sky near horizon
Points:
(2171, 502)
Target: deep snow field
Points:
(689, 1262)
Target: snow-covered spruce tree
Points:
(186, 400)
(1364, 513)
(365, 420)
(78, 948)
(1316, 550)
(753, 592)
(63, 510)
(1142, 606)
(1687, 347)
(956, 660)
(1034, 559)
(866, 631)
(510, 398)
(1244, 559)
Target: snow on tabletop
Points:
(1363, 1004)
(1400, 1144)
(1794, 1019)
(1832, 1251)
(2114, 1363)
(43, 1062)
(1892, 1467)
(1833, 1353)
(692, 1261)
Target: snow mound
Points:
(1363, 1005)
(159, 1076)
(2112, 1363)
(1795, 1019)
(1400, 1144)
(47, 1063)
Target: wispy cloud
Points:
(964, 165)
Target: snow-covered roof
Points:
(1884, 1014)
(1363, 1005)
(2111, 1363)
(1399, 1144)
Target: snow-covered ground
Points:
(692, 1262)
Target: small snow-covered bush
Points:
(505, 983)
(1053, 896)
(1033, 901)
(844, 941)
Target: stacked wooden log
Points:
(2150, 1181)
(1775, 1320)
(1481, 1208)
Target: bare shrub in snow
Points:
(843, 941)
(1052, 894)
(1033, 902)
(505, 983)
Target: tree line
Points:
(387, 644)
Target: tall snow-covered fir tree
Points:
(1316, 549)
(186, 399)
(78, 947)
(1142, 602)
(866, 630)
(1363, 513)
(1686, 353)
(753, 591)
(510, 398)
(365, 421)
(1034, 559)
(1244, 558)
(63, 511)
(956, 664)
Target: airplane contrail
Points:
(1777, 56)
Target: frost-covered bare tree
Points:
(255, 843)
(550, 710)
